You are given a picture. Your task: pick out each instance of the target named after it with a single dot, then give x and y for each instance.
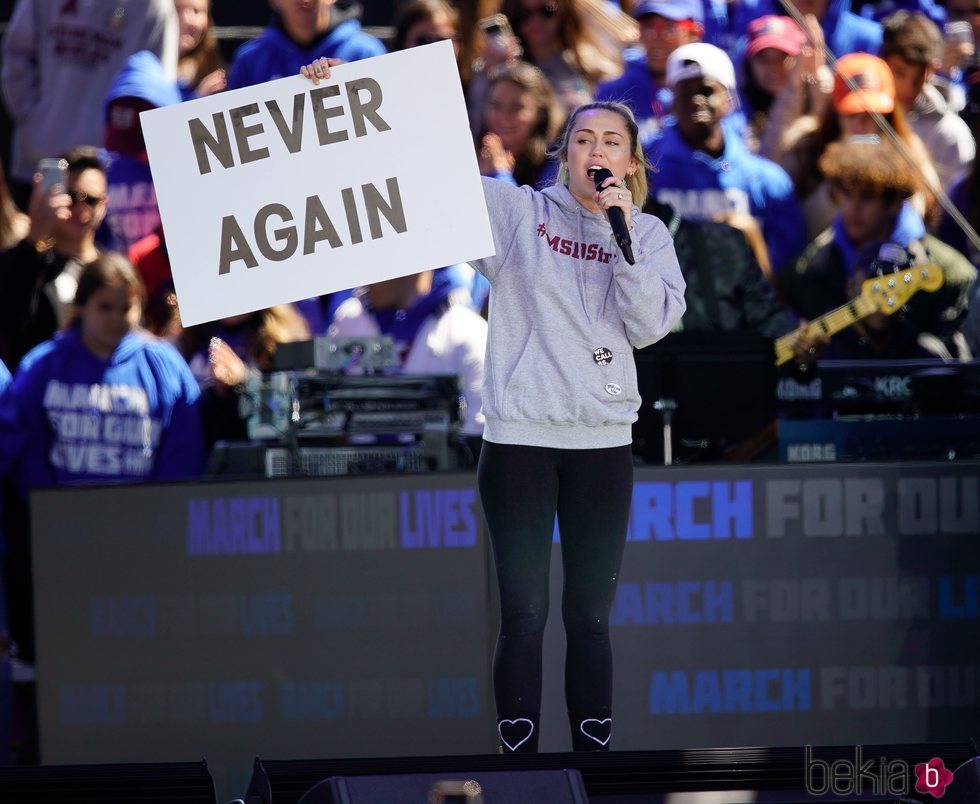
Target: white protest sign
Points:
(287, 190)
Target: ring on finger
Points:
(619, 196)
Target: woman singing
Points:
(560, 396)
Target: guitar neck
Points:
(828, 324)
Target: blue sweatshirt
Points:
(725, 22)
(72, 418)
(275, 55)
(699, 186)
(566, 311)
(846, 32)
(132, 212)
(142, 76)
(879, 10)
(638, 89)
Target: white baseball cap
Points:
(701, 60)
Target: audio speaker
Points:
(965, 787)
(528, 787)
(177, 782)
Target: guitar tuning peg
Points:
(890, 259)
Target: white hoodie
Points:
(945, 134)
(450, 342)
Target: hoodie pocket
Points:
(559, 380)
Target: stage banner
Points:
(792, 605)
(757, 605)
(304, 619)
(285, 190)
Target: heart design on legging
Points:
(518, 731)
(598, 730)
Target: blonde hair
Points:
(264, 331)
(281, 323)
(584, 48)
(637, 182)
(204, 58)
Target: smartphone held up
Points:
(53, 171)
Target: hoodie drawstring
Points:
(580, 268)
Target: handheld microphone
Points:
(616, 218)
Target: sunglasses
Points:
(545, 12)
(79, 197)
(665, 27)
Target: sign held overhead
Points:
(288, 190)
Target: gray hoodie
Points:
(566, 311)
(59, 60)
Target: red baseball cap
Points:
(781, 33)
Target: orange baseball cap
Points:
(876, 84)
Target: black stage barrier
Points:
(763, 775)
(757, 605)
(965, 788)
(547, 786)
(188, 782)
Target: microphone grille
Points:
(599, 175)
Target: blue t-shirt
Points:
(699, 186)
(637, 88)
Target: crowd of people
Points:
(783, 144)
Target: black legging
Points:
(522, 488)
